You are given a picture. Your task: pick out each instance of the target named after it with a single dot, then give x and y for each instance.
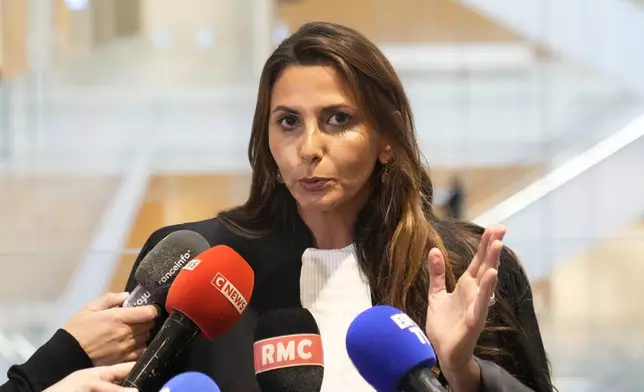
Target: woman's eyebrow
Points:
(282, 108)
(329, 108)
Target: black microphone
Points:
(288, 352)
(160, 266)
(421, 379)
(208, 296)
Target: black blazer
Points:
(53, 361)
(276, 261)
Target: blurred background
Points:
(118, 117)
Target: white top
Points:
(335, 291)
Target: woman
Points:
(337, 171)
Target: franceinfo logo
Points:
(176, 268)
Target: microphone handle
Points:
(175, 334)
(421, 380)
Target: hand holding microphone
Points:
(110, 334)
(98, 379)
(455, 320)
(207, 297)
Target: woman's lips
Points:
(314, 184)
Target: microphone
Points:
(191, 382)
(160, 266)
(208, 297)
(391, 352)
(288, 352)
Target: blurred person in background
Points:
(336, 170)
(456, 200)
(100, 334)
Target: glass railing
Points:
(5, 123)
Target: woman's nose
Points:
(312, 145)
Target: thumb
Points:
(115, 372)
(436, 268)
(107, 301)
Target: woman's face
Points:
(320, 139)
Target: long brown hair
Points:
(397, 227)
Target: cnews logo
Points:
(230, 292)
(287, 351)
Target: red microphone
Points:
(208, 296)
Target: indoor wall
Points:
(417, 21)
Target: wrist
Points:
(464, 378)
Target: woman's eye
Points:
(339, 119)
(287, 122)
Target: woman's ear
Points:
(386, 154)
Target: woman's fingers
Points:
(492, 259)
(127, 332)
(436, 271)
(115, 372)
(137, 315)
(140, 340)
(138, 329)
(137, 341)
(135, 344)
(104, 386)
(134, 355)
(107, 301)
(484, 294)
(490, 234)
(474, 266)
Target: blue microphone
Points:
(190, 382)
(391, 352)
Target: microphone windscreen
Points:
(288, 352)
(212, 290)
(190, 382)
(385, 345)
(162, 264)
